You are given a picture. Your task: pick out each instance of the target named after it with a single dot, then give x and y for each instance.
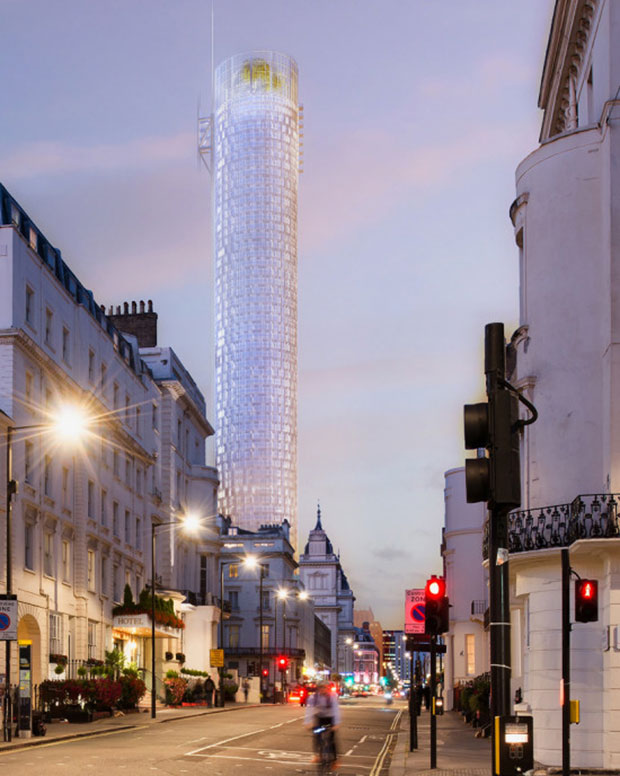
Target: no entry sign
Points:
(414, 611)
(8, 620)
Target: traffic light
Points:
(586, 600)
(495, 426)
(265, 672)
(282, 663)
(436, 607)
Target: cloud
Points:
(391, 553)
(53, 158)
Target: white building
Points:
(284, 619)
(82, 517)
(322, 575)
(565, 357)
(256, 130)
(467, 643)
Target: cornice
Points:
(569, 40)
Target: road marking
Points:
(378, 765)
(362, 739)
(236, 738)
(280, 762)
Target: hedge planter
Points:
(78, 714)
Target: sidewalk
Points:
(65, 731)
(459, 753)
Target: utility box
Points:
(513, 745)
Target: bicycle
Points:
(325, 747)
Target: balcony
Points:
(589, 516)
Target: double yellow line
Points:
(378, 764)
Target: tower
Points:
(256, 129)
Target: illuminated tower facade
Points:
(255, 143)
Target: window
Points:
(92, 639)
(104, 508)
(47, 476)
(29, 305)
(115, 396)
(203, 577)
(33, 239)
(28, 473)
(154, 416)
(138, 536)
(55, 622)
(233, 636)
(104, 371)
(127, 527)
(65, 344)
(28, 387)
(470, 654)
(29, 546)
(48, 554)
(66, 561)
(127, 408)
(128, 472)
(116, 584)
(49, 316)
(115, 518)
(91, 499)
(138, 421)
(138, 584)
(91, 570)
(233, 597)
(179, 429)
(116, 468)
(265, 637)
(266, 600)
(233, 570)
(104, 576)
(65, 487)
(139, 481)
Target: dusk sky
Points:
(416, 115)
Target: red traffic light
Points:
(435, 588)
(586, 600)
(265, 672)
(282, 663)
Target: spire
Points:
(318, 526)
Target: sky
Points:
(416, 116)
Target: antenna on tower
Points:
(204, 124)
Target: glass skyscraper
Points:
(256, 129)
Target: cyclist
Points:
(323, 709)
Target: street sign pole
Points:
(413, 704)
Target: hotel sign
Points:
(140, 625)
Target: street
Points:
(270, 740)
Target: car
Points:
(298, 694)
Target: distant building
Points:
(467, 642)
(366, 663)
(324, 579)
(366, 617)
(82, 517)
(287, 622)
(395, 655)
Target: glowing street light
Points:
(70, 423)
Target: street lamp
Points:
(68, 423)
(190, 523)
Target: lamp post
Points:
(68, 423)
(191, 523)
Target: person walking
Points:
(209, 689)
(246, 689)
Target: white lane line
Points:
(362, 739)
(234, 738)
(349, 753)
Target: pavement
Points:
(459, 752)
(61, 730)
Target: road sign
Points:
(8, 620)
(217, 658)
(414, 611)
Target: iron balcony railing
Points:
(589, 516)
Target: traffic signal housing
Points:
(436, 607)
(265, 672)
(282, 663)
(586, 600)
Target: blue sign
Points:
(5, 621)
(417, 612)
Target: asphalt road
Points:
(270, 740)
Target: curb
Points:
(26, 743)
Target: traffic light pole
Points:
(413, 704)
(565, 663)
(433, 690)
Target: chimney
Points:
(141, 325)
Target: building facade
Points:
(256, 130)
(467, 642)
(366, 660)
(82, 516)
(565, 358)
(322, 575)
(396, 658)
(282, 620)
